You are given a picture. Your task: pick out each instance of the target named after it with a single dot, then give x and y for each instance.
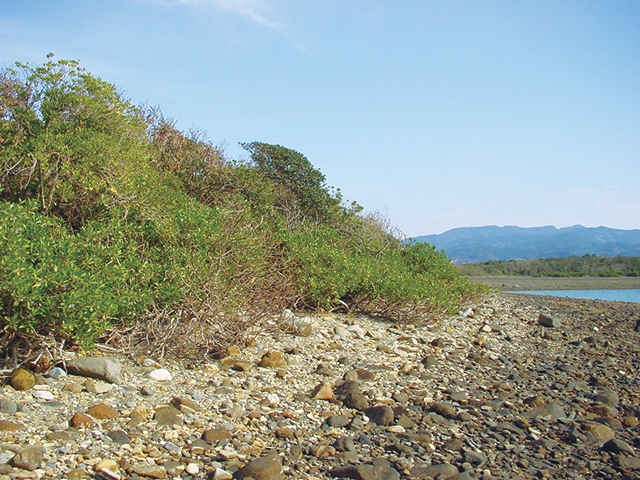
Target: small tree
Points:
(294, 173)
(62, 131)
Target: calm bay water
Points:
(610, 295)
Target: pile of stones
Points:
(514, 387)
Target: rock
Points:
(8, 426)
(98, 387)
(618, 446)
(475, 458)
(322, 391)
(429, 361)
(322, 369)
(607, 397)
(214, 435)
(380, 415)
(365, 472)
(598, 434)
(447, 411)
(80, 419)
(102, 368)
(119, 436)
(22, 379)
(268, 467)
(442, 470)
(272, 359)
(178, 402)
(167, 416)
(629, 463)
(45, 395)
(101, 411)
(7, 406)
(341, 331)
(106, 465)
(72, 387)
(28, 458)
(147, 470)
(56, 373)
(192, 469)
(548, 321)
(241, 365)
(159, 375)
(220, 474)
(357, 401)
(453, 445)
(551, 409)
(338, 421)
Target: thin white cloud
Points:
(258, 12)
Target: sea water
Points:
(609, 295)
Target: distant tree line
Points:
(584, 266)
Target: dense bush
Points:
(111, 217)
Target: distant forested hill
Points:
(584, 266)
(482, 244)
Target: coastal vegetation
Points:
(114, 222)
(573, 266)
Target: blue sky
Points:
(441, 114)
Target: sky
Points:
(437, 113)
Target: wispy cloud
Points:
(258, 12)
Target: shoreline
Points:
(333, 401)
(512, 283)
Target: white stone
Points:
(220, 474)
(56, 372)
(159, 375)
(43, 395)
(99, 387)
(192, 469)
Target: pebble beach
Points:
(511, 387)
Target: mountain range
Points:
(481, 244)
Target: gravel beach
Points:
(514, 387)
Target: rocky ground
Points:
(516, 387)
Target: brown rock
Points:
(28, 458)
(146, 470)
(214, 435)
(272, 359)
(242, 366)
(268, 467)
(101, 411)
(22, 379)
(80, 419)
(167, 416)
(322, 391)
(178, 402)
(598, 434)
(447, 411)
(8, 426)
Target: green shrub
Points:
(74, 287)
(110, 216)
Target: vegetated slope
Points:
(481, 244)
(584, 266)
(110, 217)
